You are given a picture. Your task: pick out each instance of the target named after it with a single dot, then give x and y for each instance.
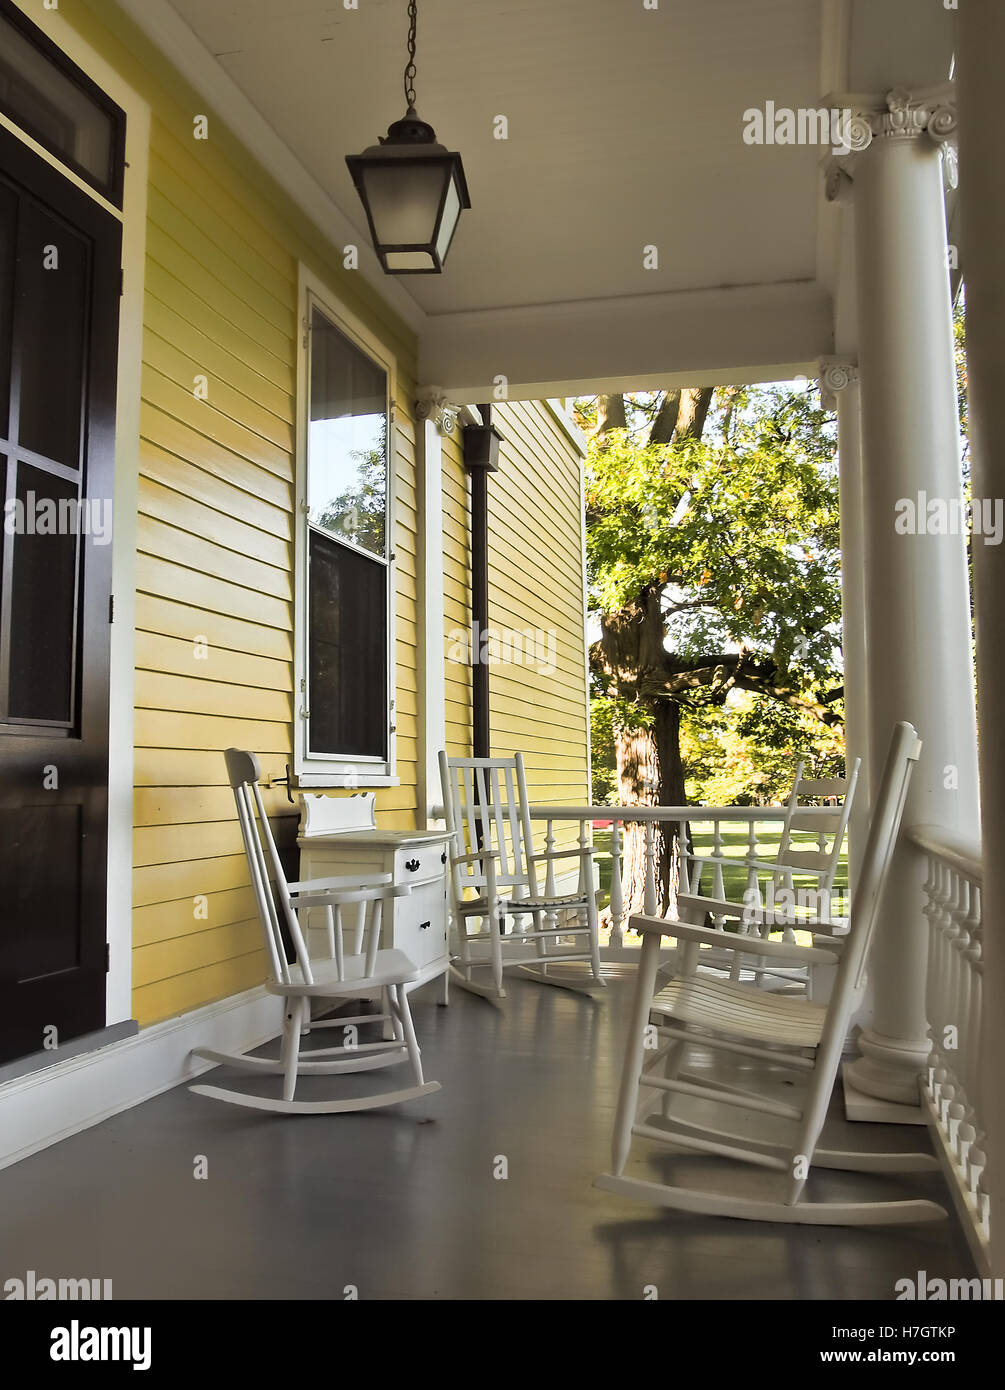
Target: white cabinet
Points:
(340, 837)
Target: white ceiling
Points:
(624, 131)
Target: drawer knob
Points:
(443, 857)
(423, 926)
(412, 865)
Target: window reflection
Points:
(347, 441)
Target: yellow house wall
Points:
(215, 543)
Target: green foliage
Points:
(741, 535)
(746, 753)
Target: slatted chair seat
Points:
(772, 1034)
(494, 869)
(741, 1011)
(355, 967)
(389, 967)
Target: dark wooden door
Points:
(60, 283)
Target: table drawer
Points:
(420, 923)
(417, 862)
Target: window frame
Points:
(113, 190)
(337, 769)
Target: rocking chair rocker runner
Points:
(355, 966)
(492, 855)
(794, 1033)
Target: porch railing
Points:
(685, 818)
(952, 1088)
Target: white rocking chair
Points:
(355, 966)
(820, 863)
(492, 856)
(784, 1032)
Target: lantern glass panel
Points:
(409, 260)
(451, 212)
(404, 200)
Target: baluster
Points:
(586, 883)
(950, 1017)
(932, 978)
(971, 1133)
(617, 903)
(958, 1110)
(649, 898)
(718, 887)
(938, 966)
(694, 869)
(550, 917)
(753, 885)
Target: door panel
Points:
(59, 305)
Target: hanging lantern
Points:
(412, 188)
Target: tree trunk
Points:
(650, 773)
(632, 651)
(694, 404)
(666, 419)
(650, 769)
(611, 414)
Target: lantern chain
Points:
(410, 68)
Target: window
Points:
(344, 562)
(58, 105)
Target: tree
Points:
(712, 546)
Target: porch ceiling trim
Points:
(693, 338)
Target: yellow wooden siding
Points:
(536, 586)
(215, 529)
(535, 583)
(214, 640)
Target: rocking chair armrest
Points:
(340, 897)
(721, 907)
(827, 942)
(476, 857)
(744, 945)
(337, 882)
(577, 853)
(776, 866)
(753, 916)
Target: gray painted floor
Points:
(403, 1203)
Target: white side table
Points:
(340, 836)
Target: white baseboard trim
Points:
(49, 1105)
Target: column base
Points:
(858, 1106)
(889, 1069)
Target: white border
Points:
(118, 989)
(337, 771)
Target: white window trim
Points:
(337, 770)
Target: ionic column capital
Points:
(836, 373)
(432, 404)
(899, 115)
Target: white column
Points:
(982, 193)
(433, 417)
(917, 604)
(839, 391)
